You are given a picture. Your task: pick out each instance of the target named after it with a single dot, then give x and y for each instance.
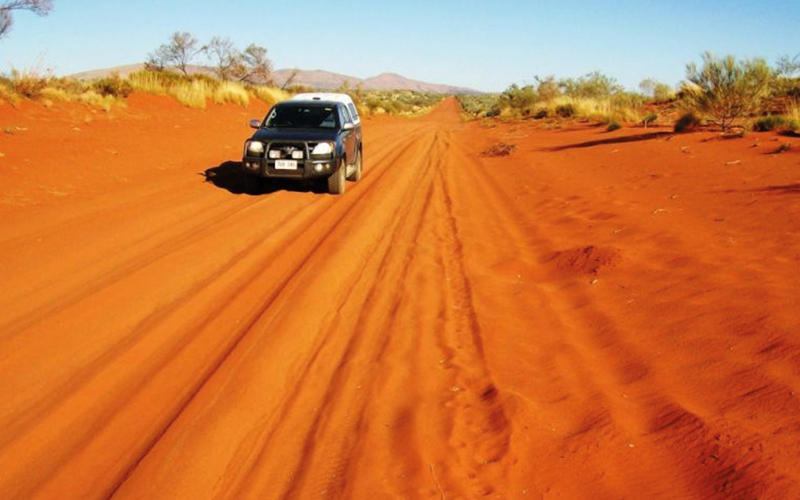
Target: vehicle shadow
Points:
(230, 176)
(613, 140)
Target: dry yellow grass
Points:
(600, 110)
(93, 98)
(197, 93)
(194, 93)
(54, 94)
(231, 92)
(269, 95)
(793, 111)
(7, 94)
(147, 82)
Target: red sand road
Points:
(598, 315)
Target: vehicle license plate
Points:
(285, 165)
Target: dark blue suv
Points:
(307, 139)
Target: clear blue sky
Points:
(485, 45)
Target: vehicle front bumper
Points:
(311, 168)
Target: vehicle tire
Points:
(337, 181)
(355, 176)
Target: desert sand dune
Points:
(596, 315)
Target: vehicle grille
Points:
(287, 148)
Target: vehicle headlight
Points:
(255, 147)
(297, 155)
(323, 149)
(274, 154)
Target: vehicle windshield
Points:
(302, 117)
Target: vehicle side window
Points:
(353, 111)
(344, 115)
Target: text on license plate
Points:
(285, 165)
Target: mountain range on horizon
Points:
(316, 79)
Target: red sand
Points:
(598, 315)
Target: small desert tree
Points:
(252, 65)
(660, 92)
(724, 89)
(40, 7)
(223, 55)
(648, 86)
(289, 80)
(179, 53)
(787, 77)
(788, 66)
(248, 66)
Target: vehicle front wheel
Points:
(355, 176)
(336, 182)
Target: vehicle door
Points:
(356, 120)
(348, 136)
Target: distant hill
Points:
(317, 79)
(326, 80)
(128, 69)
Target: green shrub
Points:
(519, 100)
(724, 89)
(565, 110)
(547, 88)
(687, 122)
(593, 85)
(541, 113)
(479, 105)
(613, 125)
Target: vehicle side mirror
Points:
(348, 126)
(255, 123)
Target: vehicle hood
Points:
(294, 134)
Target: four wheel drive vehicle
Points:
(309, 138)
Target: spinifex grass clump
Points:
(566, 110)
(269, 95)
(775, 122)
(113, 86)
(231, 92)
